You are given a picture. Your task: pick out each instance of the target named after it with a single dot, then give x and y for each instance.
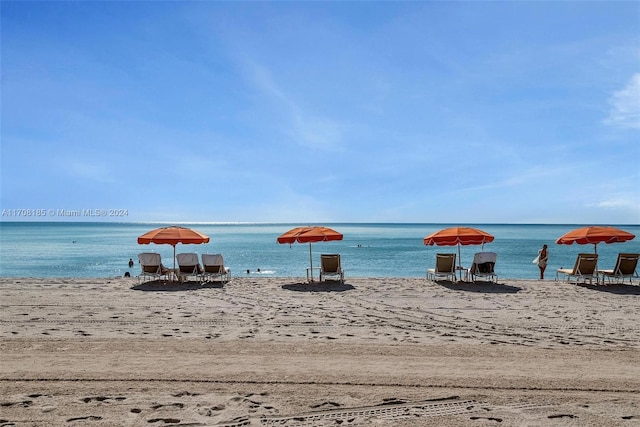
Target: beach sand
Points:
(278, 352)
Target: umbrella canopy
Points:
(458, 236)
(309, 235)
(595, 234)
(172, 236)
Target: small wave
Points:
(262, 272)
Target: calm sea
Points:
(29, 249)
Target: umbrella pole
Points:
(174, 263)
(311, 261)
(459, 267)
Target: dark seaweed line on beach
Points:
(389, 322)
(316, 383)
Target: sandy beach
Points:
(279, 352)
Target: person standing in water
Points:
(543, 257)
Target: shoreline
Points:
(271, 351)
(373, 250)
(258, 276)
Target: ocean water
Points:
(97, 250)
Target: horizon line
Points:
(302, 223)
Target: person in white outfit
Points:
(543, 257)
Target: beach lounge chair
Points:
(330, 266)
(445, 267)
(585, 268)
(625, 267)
(188, 266)
(214, 269)
(151, 265)
(484, 266)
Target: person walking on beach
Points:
(543, 257)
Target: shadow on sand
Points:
(166, 286)
(482, 287)
(318, 287)
(617, 289)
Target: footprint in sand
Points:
(498, 420)
(212, 411)
(102, 398)
(164, 420)
(562, 416)
(24, 404)
(185, 393)
(326, 404)
(87, 418)
(176, 405)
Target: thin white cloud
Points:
(317, 132)
(87, 170)
(616, 201)
(523, 177)
(625, 105)
(306, 129)
(263, 80)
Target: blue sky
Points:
(474, 112)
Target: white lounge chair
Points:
(188, 266)
(483, 266)
(330, 266)
(214, 269)
(151, 265)
(445, 267)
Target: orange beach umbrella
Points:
(458, 236)
(309, 234)
(172, 236)
(595, 234)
